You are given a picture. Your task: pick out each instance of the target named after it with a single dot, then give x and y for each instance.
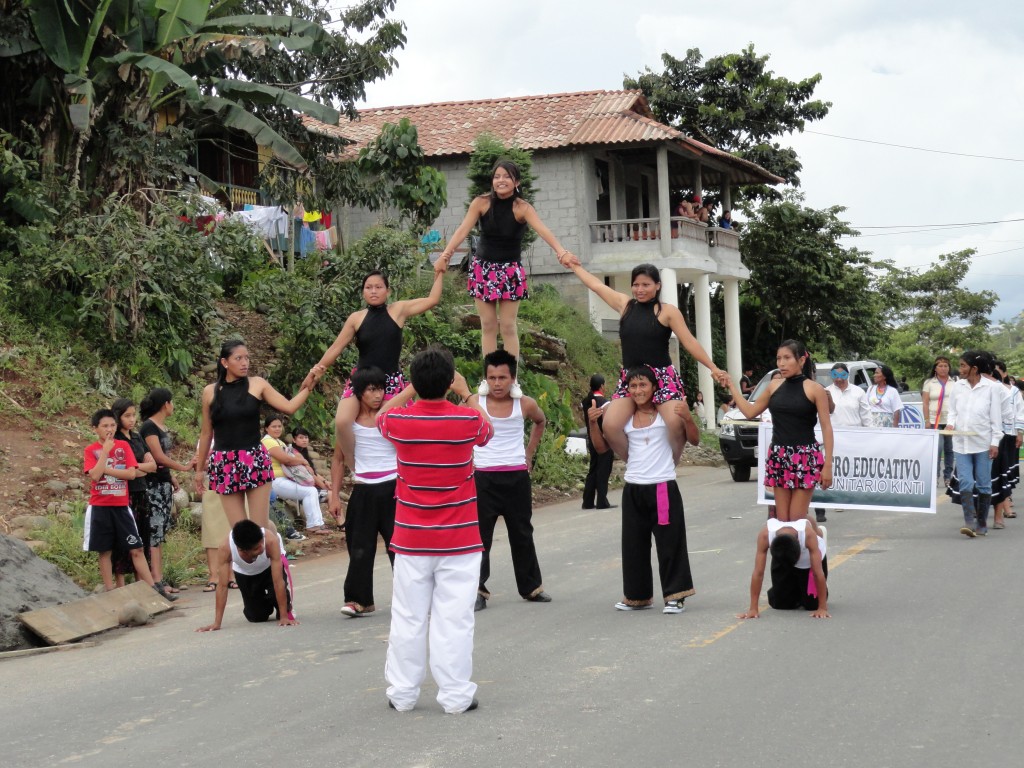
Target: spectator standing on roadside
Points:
(110, 464)
(124, 413)
(747, 381)
(595, 487)
(850, 409)
(884, 403)
(156, 408)
(936, 396)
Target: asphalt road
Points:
(917, 667)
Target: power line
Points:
(963, 224)
(915, 149)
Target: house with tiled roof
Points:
(608, 177)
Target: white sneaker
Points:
(674, 606)
(516, 391)
(484, 389)
(624, 606)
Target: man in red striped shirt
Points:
(436, 542)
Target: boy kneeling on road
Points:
(257, 563)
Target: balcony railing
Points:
(620, 230)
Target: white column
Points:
(670, 295)
(733, 350)
(664, 207)
(698, 181)
(726, 197)
(702, 304)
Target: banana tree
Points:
(139, 56)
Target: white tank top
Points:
(506, 449)
(376, 460)
(801, 528)
(650, 454)
(257, 566)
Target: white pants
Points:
(441, 590)
(307, 496)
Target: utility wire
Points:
(915, 149)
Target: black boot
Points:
(984, 502)
(970, 519)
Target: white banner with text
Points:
(887, 469)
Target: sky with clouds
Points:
(935, 75)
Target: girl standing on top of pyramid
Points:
(497, 280)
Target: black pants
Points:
(371, 511)
(507, 494)
(598, 473)
(258, 597)
(639, 523)
(789, 587)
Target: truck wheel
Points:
(740, 472)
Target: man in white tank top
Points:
(652, 506)
(502, 473)
(371, 507)
(799, 568)
(255, 561)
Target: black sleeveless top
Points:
(379, 340)
(501, 236)
(793, 415)
(644, 339)
(236, 425)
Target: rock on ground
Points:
(29, 582)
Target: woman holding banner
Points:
(795, 462)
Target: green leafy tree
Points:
(80, 70)
(805, 285)
(931, 313)
(394, 173)
(488, 149)
(734, 102)
(1008, 344)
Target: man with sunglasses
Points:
(851, 407)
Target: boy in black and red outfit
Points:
(110, 464)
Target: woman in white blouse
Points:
(884, 404)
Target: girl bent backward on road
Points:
(377, 332)
(239, 468)
(795, 462)
(645, 327)
(651, 502)
(497, 281)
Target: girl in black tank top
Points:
(796, 462)
(497, 281)
(645, 327)
(229, 458)
(377, 333)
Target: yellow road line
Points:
(833, 563)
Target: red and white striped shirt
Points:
(435, 513)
